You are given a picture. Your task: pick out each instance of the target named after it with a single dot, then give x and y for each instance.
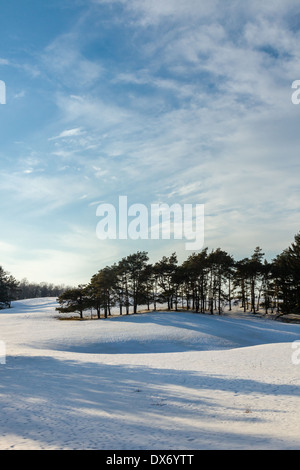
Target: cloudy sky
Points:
(170, 101)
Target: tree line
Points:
(11, 289)
(204, 282)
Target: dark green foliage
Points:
(8, 289)
(205, 282)
(286, 275)
(74, 301)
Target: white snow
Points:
(161, 380)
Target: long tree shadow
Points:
(83, 405)
(179, 332)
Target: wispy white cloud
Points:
(93, 112)
(68, 133)
(155, 11)
(42, 193)
(64, 60)
(171, 101)
(20, 94)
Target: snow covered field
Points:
(162, 380)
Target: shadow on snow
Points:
(67, 404)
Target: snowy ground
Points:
(162, 380)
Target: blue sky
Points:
(171, 102)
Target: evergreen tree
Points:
(102, 290)
(134, 267)
(220, 264)
(165, 269)
(267, 286)
(204, 281)
(240, 281)
(73, 300)
(196, 279)
(286, 275)
(8, 288)
(255, 271)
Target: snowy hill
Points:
(161, 380)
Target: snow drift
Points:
(161, 380)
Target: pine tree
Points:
(196, 279)
(8, 288)
(134, 269)
(255, 270)
(220, 264)
(286, 275)
(73, 300)
(166, 269)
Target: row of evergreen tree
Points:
(11, 289)
(204, 282)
